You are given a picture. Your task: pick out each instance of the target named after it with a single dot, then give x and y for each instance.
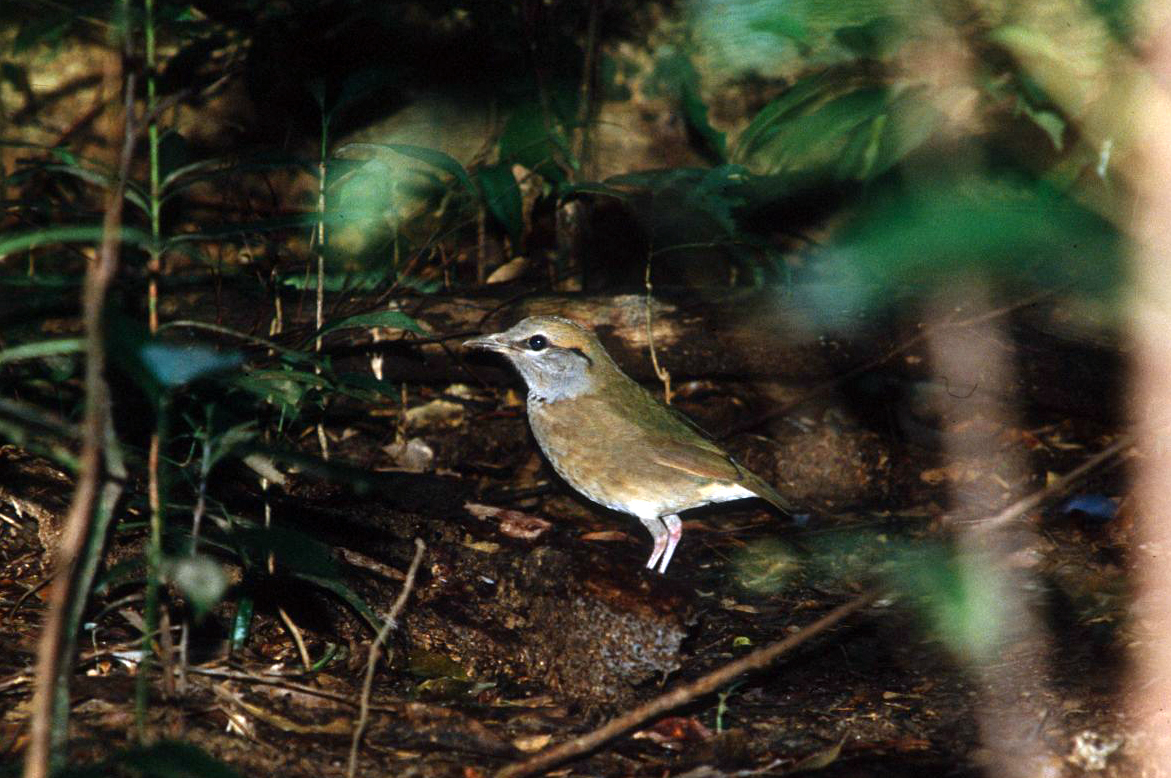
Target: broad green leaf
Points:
(502, 198)
(295, 552)
(433, 157)
(764, 124)
(528, 140)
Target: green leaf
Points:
(502, 198)
(396, 320)
(334, 584)
(40, 349)
(569, 189)
(242, 622)
(782, 25)
(133, 193)
(295, 552)
(1020, 231)
(816, 137)
(230, 439)
(764, 124)
(365, 386)
(80, 234)
(316, 89)
(360, 85)
(715, 148)
(432, 157)
(297, 221)
(527, 140)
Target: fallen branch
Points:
(371, 663)
(1056, 486)
(682, 695)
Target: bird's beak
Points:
(489, 342)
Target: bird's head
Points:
(557, 358)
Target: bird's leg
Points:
(660, 534)
(674, 532)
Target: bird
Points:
(611, 439)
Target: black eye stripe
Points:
(583, 355)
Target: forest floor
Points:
(532, 619)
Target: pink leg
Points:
(674, 532)
(660, 535)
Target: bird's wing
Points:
(685, 446)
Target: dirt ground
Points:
(532, 619)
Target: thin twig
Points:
(298, 638)
(709, 683)
(662, 374)
(371, 663)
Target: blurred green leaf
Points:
(714, 143)
(132, 192)
(960, 597)
(782, 25)
(396, 320)
(432, 157)
(10, 244)
(127, 571)
(284, 387)
(316, 89)
(337, 282)
(502, 198)
(816, 137)
(764, 125)
(200, 579)
(219, 232)
(1008, 228)
(872, 39)
(43, 348)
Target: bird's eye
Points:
(538, 342)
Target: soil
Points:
(532, 619)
